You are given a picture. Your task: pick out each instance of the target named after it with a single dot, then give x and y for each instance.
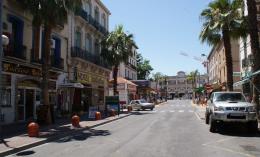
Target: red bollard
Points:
(33, 129)
(75, 121)
(98, 115)
(129, 108)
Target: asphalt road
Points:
(171, 130)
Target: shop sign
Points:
(112, 102)
(131, 88)
(87, 78)
(20, 69)
(92, 111)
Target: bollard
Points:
(75, 121)
(129, 108)
(33, 129)
(112, 113)
(98, 116)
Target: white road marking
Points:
(162, 111)
(172, 111)
(181, 111)
(191, 111)
(197, 116)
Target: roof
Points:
(121, 80)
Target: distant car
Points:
(230, 107)
(141, 105)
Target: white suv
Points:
(230, 107)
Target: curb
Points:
(72, 132)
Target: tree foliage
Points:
(144, 68)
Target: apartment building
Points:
(217, 69)
(22, 64)
(78, 76)
(87, 27)
(180, 86)
(246, 56)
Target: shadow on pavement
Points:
(236, 130)
(141, 113)
(25, 153)
(84, 135)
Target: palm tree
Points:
(255, 49)
(157, 77)
(116, 49)
(193, 78)
(223, 21)
(49, 14)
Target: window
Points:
(97, 47)
(88, 43)
(78, 38)
(104, 20)
(87, 7)
(96, 14)
(5, 98)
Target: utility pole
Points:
(1, 58)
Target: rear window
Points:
(229, 97)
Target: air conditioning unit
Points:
(52, 43)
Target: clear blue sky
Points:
(162, 29)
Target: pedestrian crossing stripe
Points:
(181, 111)
(172, 111)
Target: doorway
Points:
(29, 104)
(26, 99)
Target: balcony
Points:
(95, 59)
(15, 50)
(89, 19)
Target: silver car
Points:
(141, 105)
(230, 107)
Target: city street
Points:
(173, 129)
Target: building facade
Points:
(78, 76)
(246, 56)
(217, 69)
(87, 27)
(21, 78)
(129, 70)
(180, 86)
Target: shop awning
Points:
(121, 80)
(239, 83)
(71, 85)
(246, 80)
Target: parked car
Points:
(230, 107)
(141, 105)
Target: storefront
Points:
(22, 92)
(95, 87)
(127, 90)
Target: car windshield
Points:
(229, 97)
(143, 101)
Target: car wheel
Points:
(151, 109)
(143, 108)
(213, 124)
(253, 126)
(207, 118)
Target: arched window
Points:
(96, 14)
(78, 37)
(88, 43)
(104, 22)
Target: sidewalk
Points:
(21, 142)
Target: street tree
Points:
(255, 49)
(157, 77)
(223, 21)
(143, 67)
(49, 14)
(116, 49)
(192, 76)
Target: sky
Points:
(163, 29)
